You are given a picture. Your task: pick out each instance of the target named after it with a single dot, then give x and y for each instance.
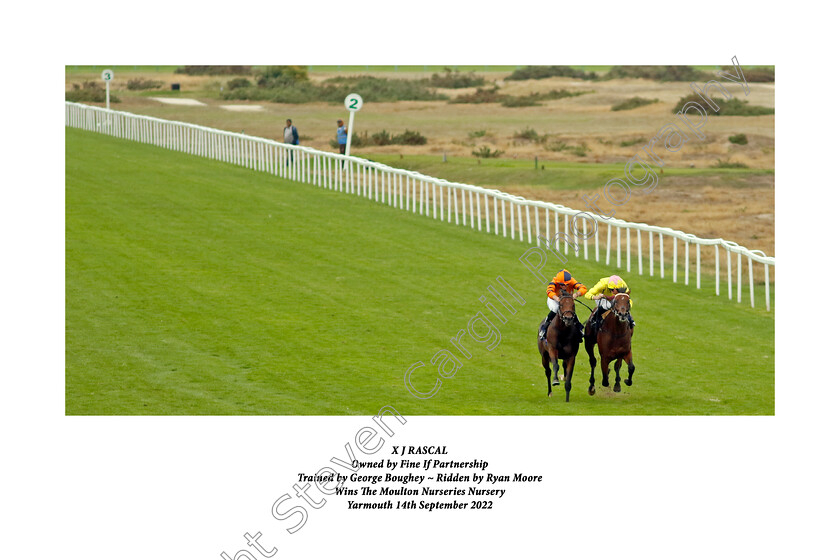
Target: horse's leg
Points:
(545, 363)
(589, 344)
(605, 371)
(630, 368)
(554, 355)
(617, 387)
(569, 366)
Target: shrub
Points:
(632, 142)
(520, 101)
(237, 83)
(542, 72)
(528, 134)
(492, 95)
(214, 70)
(275, 76)
(658, 73)
(579, 151)
(301, 93)
(141, 84)
(756, 74)
(381, 138)
(632, 103)
(456, 80)
(489, 95)
(485, 152)
(377, 89)
(385, 138)
(358, 141)
(726, 164)
(728, 107)
(477, 134)
(736, 107)
(739, 139)
(92, 92)
(410, 138)
(562, 93)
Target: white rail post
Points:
(528, 222)
(629, 260)
(729, 270)
(639, 237)
(597, 247)
(455, 204)
(767, 285)
(566, 232)
(698, 266)
(752, 289)
(463, 205)
(650, 251)
(486, 213)
(675, 259)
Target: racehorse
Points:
(613, 340)
(561, 342)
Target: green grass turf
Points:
(196, 287)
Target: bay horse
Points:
(613, 339)
(561, 343)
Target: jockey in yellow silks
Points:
(604, 292)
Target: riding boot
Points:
(580, 329)
(546, 324)
(596, 320)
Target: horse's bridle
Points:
(621, 316)
(567, 316)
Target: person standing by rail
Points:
(290, 136)
(341, 137)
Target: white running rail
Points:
(506, 215)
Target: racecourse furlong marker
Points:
(108, 75)
(353, 102)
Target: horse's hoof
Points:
(555, 382)
(549, 393)
(567, 398)
(628, 382)
(591, 390)
(605, 383)
(562, 378)
(617, 388)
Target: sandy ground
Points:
(242, 108)
(690, 204)
(179, 101)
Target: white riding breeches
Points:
(553, 305)
(604, 303)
